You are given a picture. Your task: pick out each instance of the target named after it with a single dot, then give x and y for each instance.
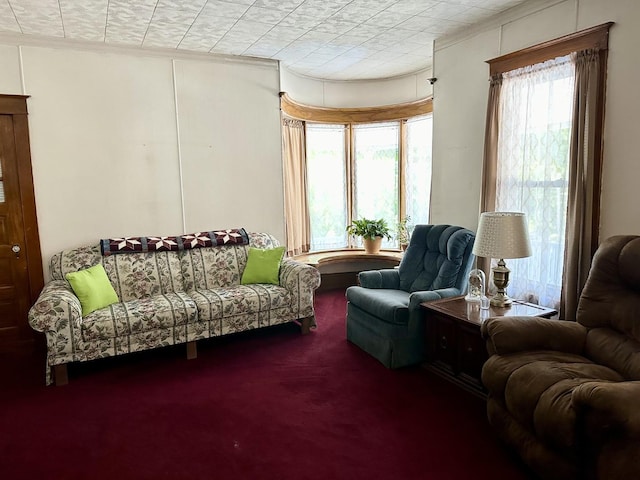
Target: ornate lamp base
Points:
(501, 280)
(501, 299)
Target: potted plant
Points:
(371, 232)
(403, 233)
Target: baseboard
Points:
(331, 281)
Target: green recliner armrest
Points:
(421, 296)
(385, 278)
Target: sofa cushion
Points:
(611, 296)
(263, 266)
(388, 305)
(93, 289)
(536, 388)
(498, 368)
(135, 316)
(73, 260)
(227, 302)
(141, 275)
(209, 268)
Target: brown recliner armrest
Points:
(517, 334)
(611, 408)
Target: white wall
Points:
(231, 146)
(10, 79)
(460, 98)
(459, 107)
(364, 93)
(107, 156)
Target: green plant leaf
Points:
(366, 228)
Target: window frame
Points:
(585, 175)
(596, 37)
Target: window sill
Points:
(350, 260)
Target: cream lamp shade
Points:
(502, 235)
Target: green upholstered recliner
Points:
(383, 313)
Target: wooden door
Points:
(21, 276)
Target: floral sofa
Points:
(166, 298)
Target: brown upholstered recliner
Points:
(566, 395)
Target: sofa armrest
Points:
(384, 278)
(609, 408)
(301, 280)
(517, 334)
(58, 313)
(56, 308)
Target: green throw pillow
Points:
(263, 266)
(93, 289)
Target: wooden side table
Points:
(454, 346)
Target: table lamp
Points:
(502, 235)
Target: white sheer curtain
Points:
(536, 110)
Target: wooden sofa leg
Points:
(60, 374)
(192, 350)
(305, 325)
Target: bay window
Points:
(366, 170)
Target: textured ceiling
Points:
(329, 39)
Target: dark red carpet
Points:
(264, 405)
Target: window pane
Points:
(417, 175)
(376, 174)
(533, 155)
(326, 186)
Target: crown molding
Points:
(21, 40)
(421, 71)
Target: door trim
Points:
(16, 105)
